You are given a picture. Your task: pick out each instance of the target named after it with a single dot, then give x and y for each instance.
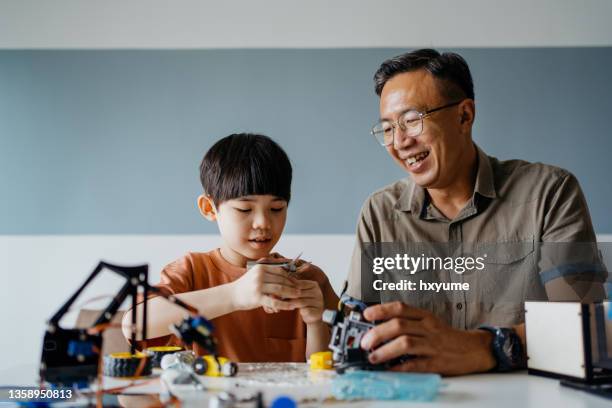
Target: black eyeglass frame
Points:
(380, 137)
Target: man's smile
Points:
(415, 158)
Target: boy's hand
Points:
(310, 301)
(265, 286)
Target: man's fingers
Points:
(280, 290)
(400, 346)
(419, 364)
(387, 311)
(391, 329)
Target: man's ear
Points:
(467, 113)
(207, 207)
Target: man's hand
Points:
(436, 347)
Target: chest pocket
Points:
(508, 277)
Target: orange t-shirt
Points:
(245, 335)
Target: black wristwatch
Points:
(506, 347)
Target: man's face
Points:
(251, 225)
(441, 149)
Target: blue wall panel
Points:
(100, 142)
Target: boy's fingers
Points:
(276, 304)
(306, 284)
(275, 270)
(283, 280)
(308, 302)
(280, 290)
(298, 303)
(302, 265)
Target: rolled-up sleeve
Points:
(570, 263)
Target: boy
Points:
(260, 314)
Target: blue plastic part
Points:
(376, 385)
(201, 321)
(81, 385)
(353, 303)
(76, 347)
(283, 402)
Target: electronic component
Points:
(207, 365)
(347, 332)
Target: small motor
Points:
(205, 365)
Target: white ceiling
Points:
(90, 24)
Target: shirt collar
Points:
(414, 197)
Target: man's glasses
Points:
(411, 122)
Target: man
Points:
(458, 194)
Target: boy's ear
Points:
(207, 207)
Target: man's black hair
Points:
(245, 164)
(450, 69)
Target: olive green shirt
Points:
(515, 206)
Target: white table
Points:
(480, 390)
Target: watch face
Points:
(508, 347)
(511, 347)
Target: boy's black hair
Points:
(245, 164)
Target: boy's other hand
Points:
(310, 301)
(265, 286)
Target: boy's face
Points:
(250, 226)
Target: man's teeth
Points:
(417, 157)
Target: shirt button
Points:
(459, 306)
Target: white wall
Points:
(295, 24)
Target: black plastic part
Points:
(126, 367)
(199, 366)
(603, 390)
(59, 367)
(156, 356)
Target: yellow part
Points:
(211, 365)
(321, 360)
(127, 355)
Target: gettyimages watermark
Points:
(408, 264)
(487, 274)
